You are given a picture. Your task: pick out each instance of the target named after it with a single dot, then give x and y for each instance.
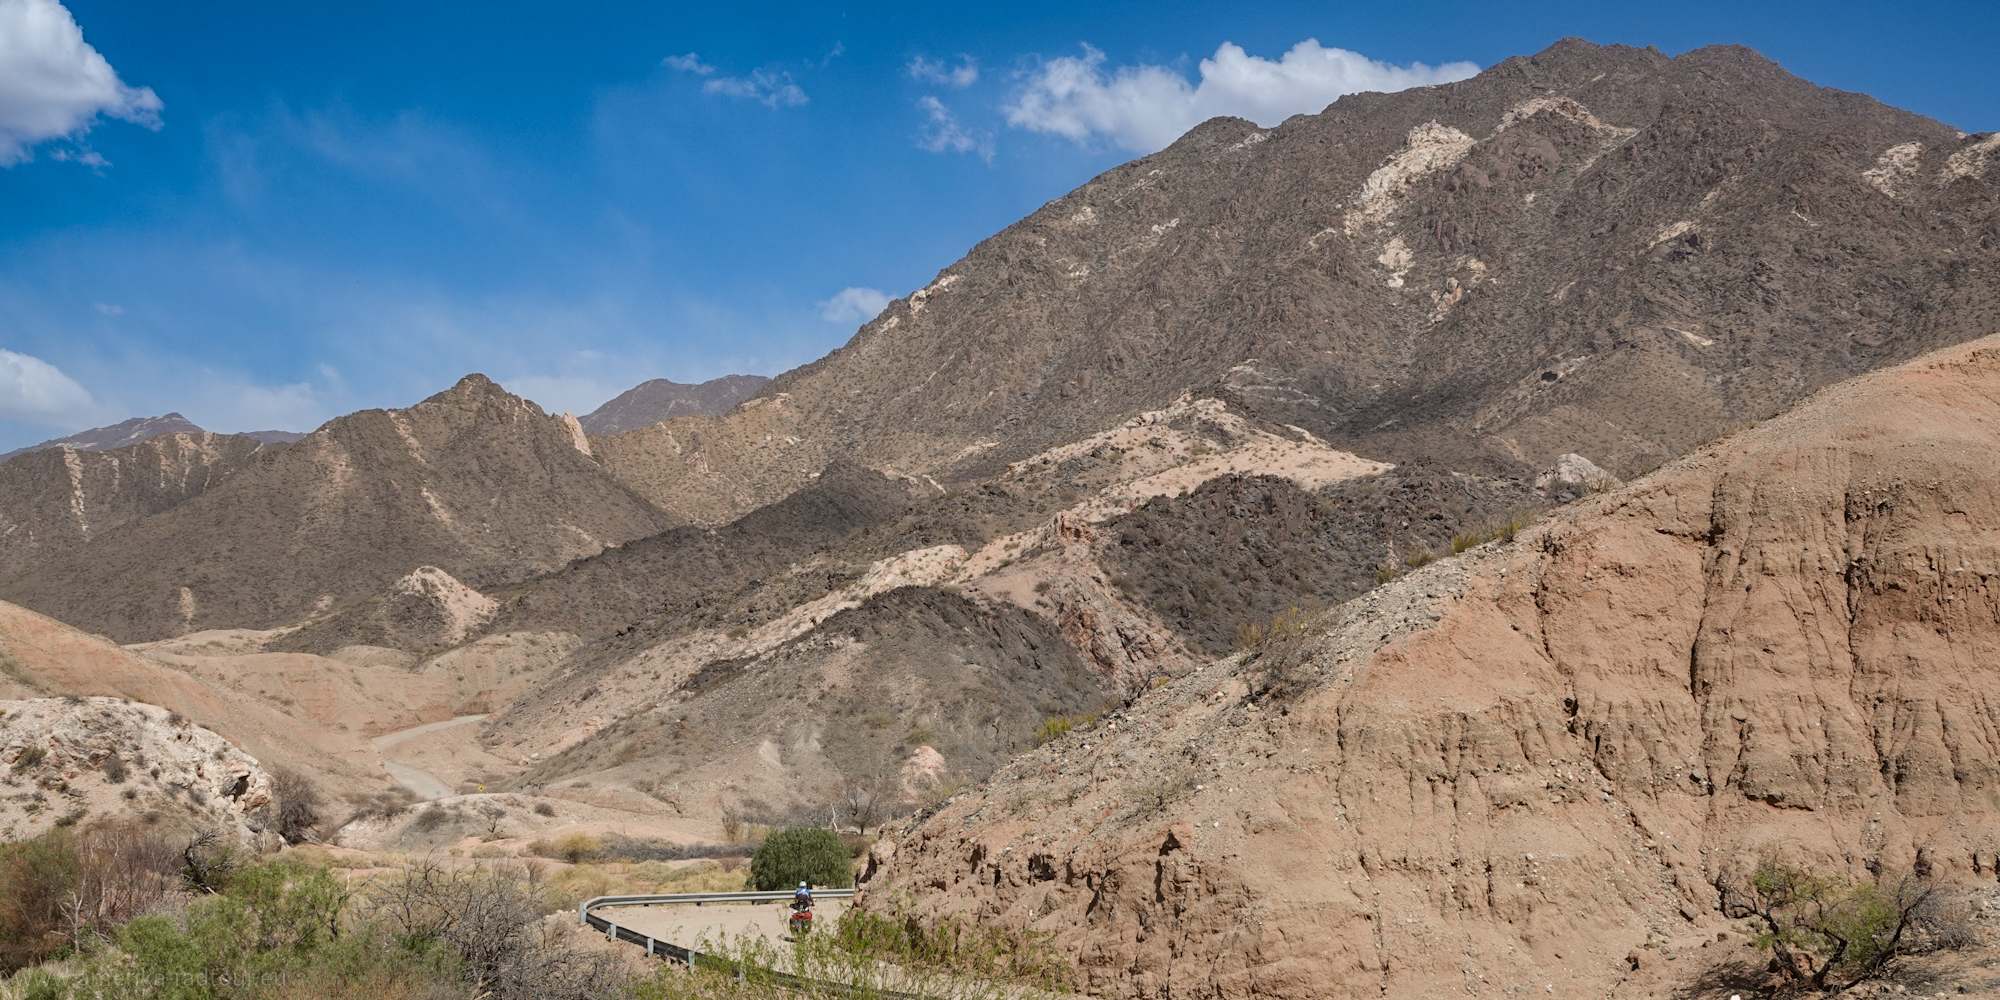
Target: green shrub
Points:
(1826, 932)
(802, 854)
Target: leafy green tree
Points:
(802, 854)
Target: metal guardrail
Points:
(689, 957)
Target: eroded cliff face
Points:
(1511, 767)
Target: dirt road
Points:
(422, 782)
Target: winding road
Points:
(416, 779)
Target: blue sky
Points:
(264, 215)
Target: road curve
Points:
(416, 779)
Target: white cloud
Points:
(689, 63)
(37, 392)
(110, 308)
(54, 85)
(1144, 108)
(943, 132)
(773, 90)
(965, 74)
(853, 305)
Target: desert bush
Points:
(894, 932)
(491, 918)
(1290, 625)
(1504, 531)
(1826, 931)
(296, 803)
(802, 854)
(574, 848)
(434, 817)
(114, 770)
(1056, 727)
(30, 756)
(58, 889)
(544, 809)
(386, 804)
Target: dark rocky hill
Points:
(1599, 250)
(473, 481)
(55, 500)
(651, 402)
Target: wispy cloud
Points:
(37, 392)
(853, 305)
(1144, 107)
(53, 85)
(942, 132)
(772, 88)
(965, 74)
(689, 63)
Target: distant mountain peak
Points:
(648, 403)
(118, 435)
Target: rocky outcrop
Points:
(72, 759)
(1512, 767)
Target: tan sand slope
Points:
(1511, 768)
(41, 657)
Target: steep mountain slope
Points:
(54, 501)
(1597, 250)
(474, 482)
(659, 399)
(118, 435)
(1515, 766)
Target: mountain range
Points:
(1457, 529)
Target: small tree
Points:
(1820, 925)
(297, 803)
(802, 854)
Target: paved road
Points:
(420, 781)
(687, 925)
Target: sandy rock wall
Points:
(1511, 768)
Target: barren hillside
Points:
(1516, 766)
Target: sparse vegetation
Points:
(30, 756)
(1504, 531)
(574, 848)
(1289, 626)
(1001, 955)
(1056, 727)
